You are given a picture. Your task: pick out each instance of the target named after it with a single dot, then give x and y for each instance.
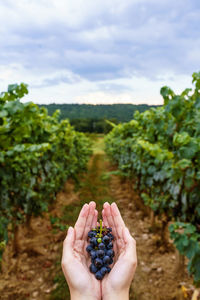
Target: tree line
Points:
(92, 118)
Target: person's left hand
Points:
(75, 260)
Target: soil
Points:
(30, 274)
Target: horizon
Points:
(96, 104)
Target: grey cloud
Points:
(57, 79)
(145, 38)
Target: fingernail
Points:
(70, 230)
(92, 205)
(85, 205)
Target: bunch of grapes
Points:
(100, 249)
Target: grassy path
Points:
(95, 186)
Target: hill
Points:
(91, 118)
(120, 112)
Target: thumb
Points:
(130, 246)
(70, 236)
(68, 245)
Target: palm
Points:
(81, 265)
(113, 279)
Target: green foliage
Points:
(38, 153)
(160, 148)
(187, 241)
(119, 112)
(58, 224)
(93, 118)
(91, 125)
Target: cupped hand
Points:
(116, 284)
(75, 259)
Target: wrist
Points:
(117, 295)
(80, 296)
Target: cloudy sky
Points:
(95, 51)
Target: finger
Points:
(105, 221)
(94, 220)
(93, 225)
(89, 219)
(81, 221)
(68, 246)
(119, 223)
(130, 244)
(109, 218)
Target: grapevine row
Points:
(37, 155)
(160, 149)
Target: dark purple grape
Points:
(102, 246)
(108, 269)
(110, 253)
(89, 248)
(106, 239)
(93, 254)
(106, 260)
(91, 234)
(110, 236)
(103, 270)
(111, 261)
(93, 268)
(110, 245)
(100, 253)
(109, 229)
(98, 262)
(98, 275)
(92, 260)
(93, 241)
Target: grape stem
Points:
(100, 228)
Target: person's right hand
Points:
(117, 283)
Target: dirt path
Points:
(36, 274)
(30, 274)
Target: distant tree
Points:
(91, 118)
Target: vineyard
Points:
(38, 154)
(149, 166)
(160, 150)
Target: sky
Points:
(96, 51)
